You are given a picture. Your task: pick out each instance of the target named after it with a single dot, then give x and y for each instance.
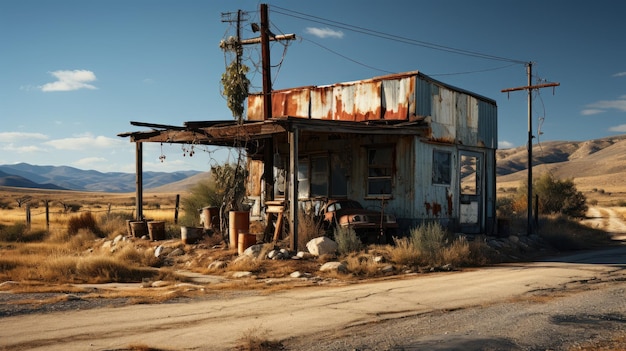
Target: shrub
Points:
(13, 232)
(347, 240)
(556, 196)
(403, 252)
(308, 228)
(429, 240)
(83, 221)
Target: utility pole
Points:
(264, 39)
(530, 88)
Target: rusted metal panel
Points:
(367, 101)
(322, 102)
(255, 107)
(291, 103)
(398, 98)
(343, 103)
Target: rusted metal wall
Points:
(456, 115)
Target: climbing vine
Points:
(235, 84)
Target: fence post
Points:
(47, 202)
(176, 209)
(28, 216)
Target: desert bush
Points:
(308, 228)
(255, 339)
(202, 194)
(136, 256)
(114, 223)
(403, 252)
(347, 240)
(83, 221)
(92, 269)
(429, 239)
(361, 265)
(555, 196)
(13, 233)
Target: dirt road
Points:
(328, 318)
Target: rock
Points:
(158, 251)
(253, 251)
(298, 274)
(177, 252)
(272, 254)
(118, 239)
(159, 284)
(72, 297)
(215, 265)
(304, 255)
(387, 269)
(107, 244)
(242, 274)
(334, 266)
(379, 259)
(514, 239)
(321, 246)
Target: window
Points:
(319, 176)
(338, 177)
(442, 169)
(380, 165)
(303, 178)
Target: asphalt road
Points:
(440, 311)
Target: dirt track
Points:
(311, 318)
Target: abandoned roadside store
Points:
(405, 144)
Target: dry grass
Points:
(565, 234)
(256, 339)
(363, 265)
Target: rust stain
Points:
(436, 209)
(428, 207)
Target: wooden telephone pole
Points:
(530, 88)
(268, 158)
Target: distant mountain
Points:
(21, 182)
(64, 177)
(599, 163)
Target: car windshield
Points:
(343, 205)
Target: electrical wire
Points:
(345, 57)
(383, 35)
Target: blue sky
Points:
(73, 74)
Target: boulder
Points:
(321, 246)
(253, 251)
(334, 266)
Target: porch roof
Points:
(228, 133)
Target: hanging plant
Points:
(234, 81)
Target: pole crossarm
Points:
(274, 38)
(531, 87)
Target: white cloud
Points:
(26, 149)
(605, 105)
(88, 162)
(324, 32)
(621, 128)
(70, 80)
(11, 137)
(591, 111)
(503, 144)
(84, 142)
(620, 74)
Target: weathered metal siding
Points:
(321, 102)
(398, 98)
(434, 201)
(425, 93)
(488, 124)
(292, 103)
(443, 124)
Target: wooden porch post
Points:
(293, 188)
(139, 180)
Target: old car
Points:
(371, 226)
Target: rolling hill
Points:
(62, 177)
(592, 164)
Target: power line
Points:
(383, 35)
(346, 57)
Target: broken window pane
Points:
(442, 167)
